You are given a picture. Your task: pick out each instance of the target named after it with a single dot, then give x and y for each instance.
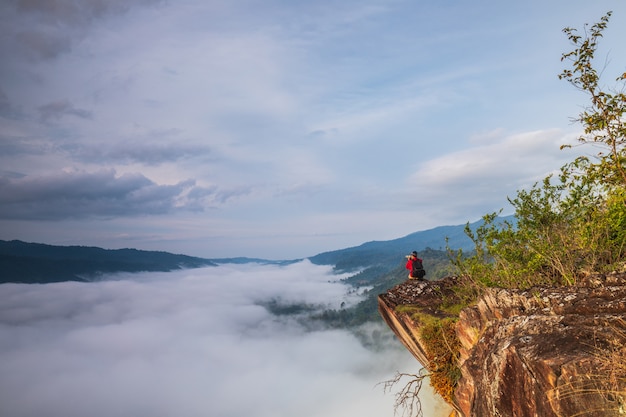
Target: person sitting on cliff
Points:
(415, 266)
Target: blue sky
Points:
(279, 129)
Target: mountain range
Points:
(23, 262)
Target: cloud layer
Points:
(352, 121)
(78, 194)
(189, 343)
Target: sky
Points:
(280, 129)
(193, 343)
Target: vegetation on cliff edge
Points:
(565, 227)
(574, 224)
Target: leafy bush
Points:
(441, 345)
(572, 225)
(442, 348)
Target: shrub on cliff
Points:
(575, 223)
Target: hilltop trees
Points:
(573, 224)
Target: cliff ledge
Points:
(550, 352)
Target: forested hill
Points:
(379, 265)
(39, 263)
(390, 251)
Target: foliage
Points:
(441, 345)
(603, 119)
(442, 350)
(573, 224)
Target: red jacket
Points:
(409, 263)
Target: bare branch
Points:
(407, 399)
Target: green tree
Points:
(603, 119)
(573, 224)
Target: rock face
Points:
(545, 352)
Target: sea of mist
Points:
(194, 343)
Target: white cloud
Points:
(492, 170)
(283, 117)
(188, 343)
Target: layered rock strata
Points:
(548, 352)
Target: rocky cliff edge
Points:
(540, 352)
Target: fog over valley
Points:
(193, 343)
(280, 160)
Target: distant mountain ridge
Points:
(24, 262)
(389, 251)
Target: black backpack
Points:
(417, 269)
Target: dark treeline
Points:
(23, 262)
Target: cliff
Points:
(549, 352)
